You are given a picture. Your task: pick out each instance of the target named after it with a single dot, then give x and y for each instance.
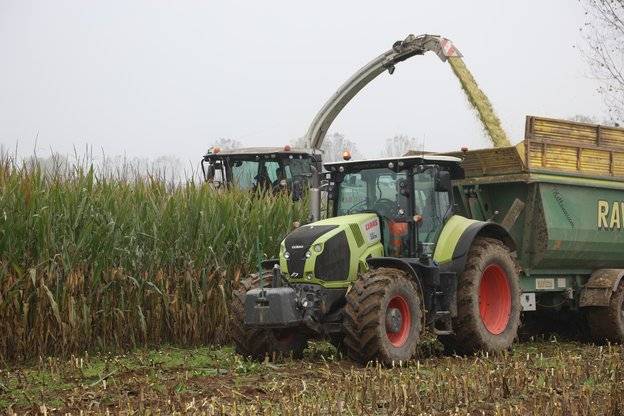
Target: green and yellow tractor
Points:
(384, 266)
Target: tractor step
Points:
(444, 318)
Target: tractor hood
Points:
(329, 250)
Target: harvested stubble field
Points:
(113, 263)
(108, 265)
(544, 378)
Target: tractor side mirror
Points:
(443, 181)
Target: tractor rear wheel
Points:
(488, 300)
(259, 343)
(607, 323)
(382, 317)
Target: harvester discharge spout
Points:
(400, 51)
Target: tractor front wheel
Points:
(382, 317)
(488, 300)
(259, 343)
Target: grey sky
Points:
(152, 78)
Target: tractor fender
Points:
(429, 280)
(474, 230)
(600, 286)
(397, 263)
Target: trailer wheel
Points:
(260, 343)
(488, 300)
(607, 323)
(382, 317)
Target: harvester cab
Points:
(262, 168)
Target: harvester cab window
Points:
(244, 173)
(273, 171)
(298, 168)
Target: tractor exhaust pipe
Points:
(315, 195)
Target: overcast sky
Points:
(151, 78)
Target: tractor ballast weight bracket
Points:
(272, 307)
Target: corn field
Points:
(110, 263)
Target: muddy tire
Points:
(488, 301)
(260, 343)
(607, 323)
(337, 340)
(382, 317)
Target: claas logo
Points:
(372, 224)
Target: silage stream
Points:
(480, 102)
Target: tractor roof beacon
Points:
(385, 262)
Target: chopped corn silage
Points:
(480, 103)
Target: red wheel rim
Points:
(494, 299)
(399, 338)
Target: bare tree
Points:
(333, 147)
(604, 34)
(226, 144)
(400, 144)
(582, 118)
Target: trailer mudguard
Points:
(457, 237)
(600, 287)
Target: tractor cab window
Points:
(371, 190)
(431, 205)
(378, 190)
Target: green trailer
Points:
(560, 195)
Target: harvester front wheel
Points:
(259, 343)
(488, 300)
(382, 317)
(607, 323)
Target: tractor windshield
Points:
(371, 190)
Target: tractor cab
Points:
(411, 196)
(263, 168)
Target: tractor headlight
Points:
(308, 254)
(286, 255)
(318, 248)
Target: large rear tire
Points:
(382, 317)
(260, 343)
(488, 300)
(607, 323)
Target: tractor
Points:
(391, 260)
